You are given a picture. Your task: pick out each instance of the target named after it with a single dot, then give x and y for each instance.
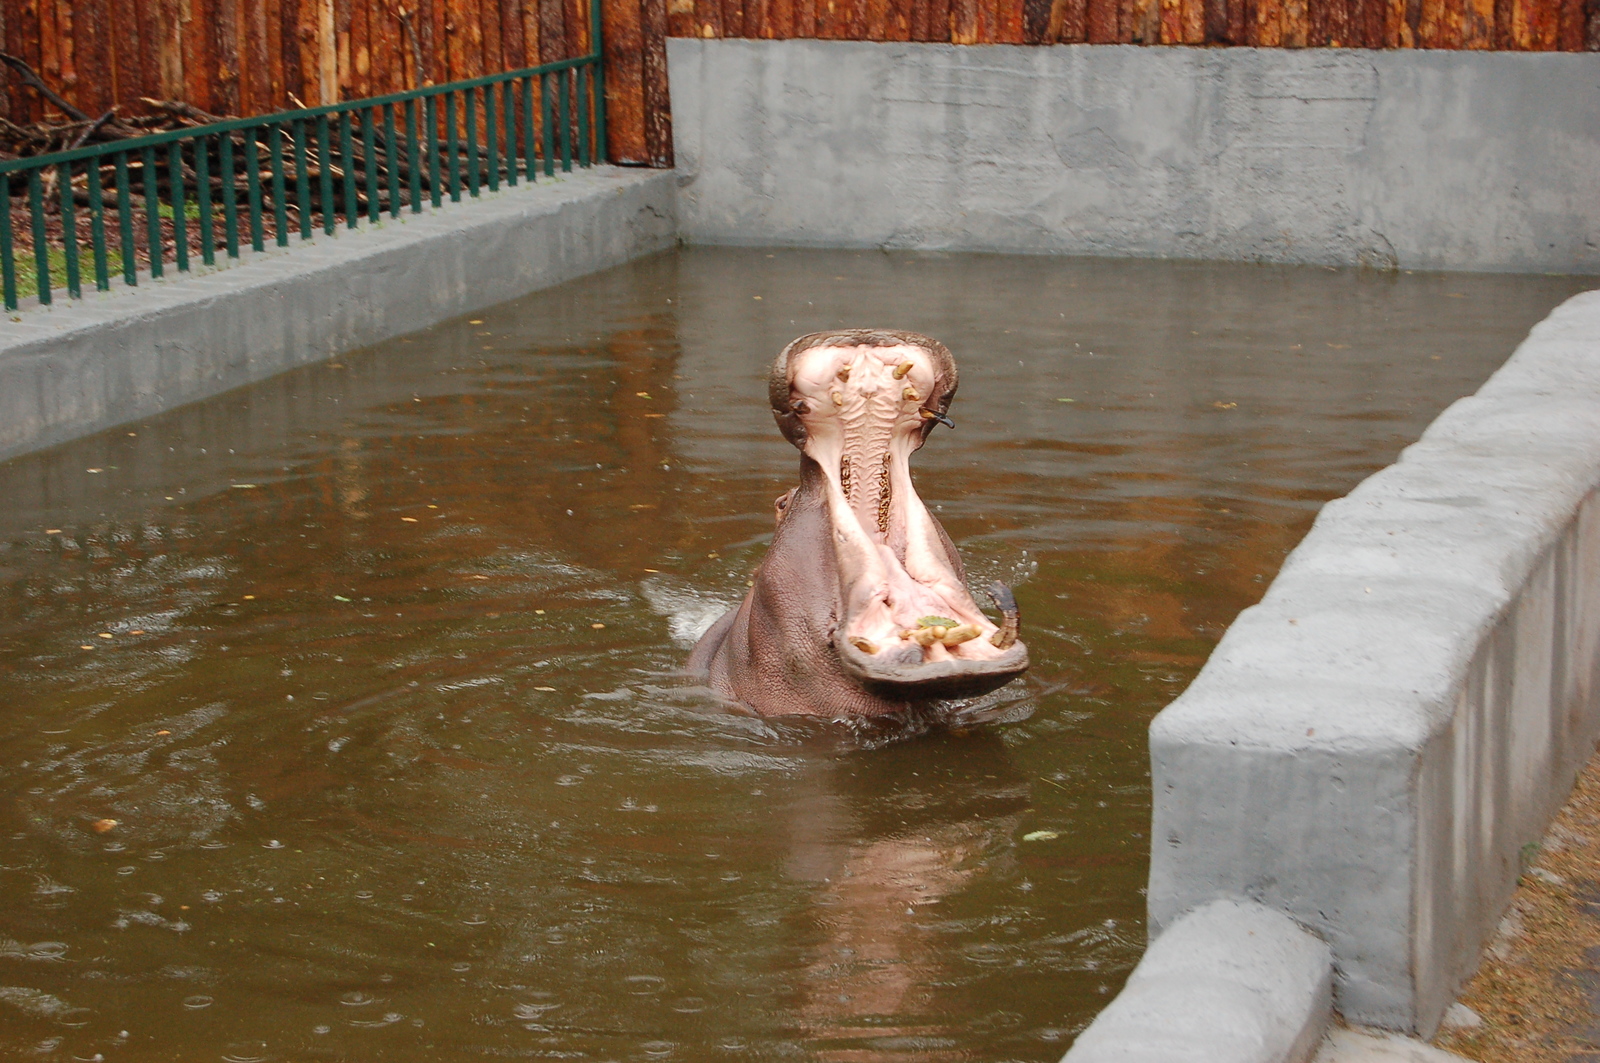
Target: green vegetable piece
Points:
(935, 621)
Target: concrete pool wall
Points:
(1369, 749)
(1408, 159)
(84, 365)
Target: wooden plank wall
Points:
(257, 56)
(244, 57)
(1507, 25)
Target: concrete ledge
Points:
(82, 366)
(1408, 158)
(1230, 982)
(1368, 749)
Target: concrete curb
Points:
(1231, 982)
(1368, 749)
(81, 366)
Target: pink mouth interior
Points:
(863, 418)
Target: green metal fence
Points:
(160, 200)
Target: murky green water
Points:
(329, 650)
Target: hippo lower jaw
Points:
(861, 606)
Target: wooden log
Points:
(511, 48)
(874, 18)
(1171, 16)
(964, 21)
(492, 37)
(92, 54)
(708, 18)
(805, 18)
(48, 63)
(657, 104)
(552, 30)
(733, 18)
(1591, 35)
(1138, 21)
(1009, 22)
(780, 16)
(225, 55)
(1068, 22)
(1100, 22)
(757, 19)
(1035, 21)
(1294, 23)
(1544, 23)
(1267, 30)
(623, 26)
(1192, 21)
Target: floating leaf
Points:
(1041, 836)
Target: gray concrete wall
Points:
(1231, 982)
(79, 366)
(1368, 749)
(1416, 159)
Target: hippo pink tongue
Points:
(858, 409)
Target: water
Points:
(329, 652)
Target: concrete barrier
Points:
(1415, 159)
(1231, 982)
(79, 366)
(1369, 748)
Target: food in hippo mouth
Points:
(861, 605)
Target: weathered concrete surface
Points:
(1359, 1046)
(1231, 982)
(1369, 748)
(84, 365)
(1417, 159)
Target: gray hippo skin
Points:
(861, 606)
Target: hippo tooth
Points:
(910, 395)
(864, 645)
(838, 399)
(844, 372)
(960, 633)
(901, 370)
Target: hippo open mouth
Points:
(861, 606)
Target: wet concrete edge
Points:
(84, 365)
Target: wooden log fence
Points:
(250, 57)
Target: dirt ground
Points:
(1538, 989)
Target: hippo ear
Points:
(783, 407)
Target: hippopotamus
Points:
(860, 607)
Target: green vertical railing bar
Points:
(566, 121)
(202, 192)
(369, 162)
(546, 110)
(452, 146)
(302, 180)
(391, 155)
(280, 209)
(508, 114)
(8, 259)
(470, 106)
(529, 154)
(97, 226)
(352, 205)
(430, 119)
(597, 40)
(69, 231)
(152, 212)
(130, 262)
(41, 249)
(491, 127)
(230, 194)
(413, 156)
(325, 177)
(252, 186)
(583, 117)
(180, 211)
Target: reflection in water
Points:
(343, 718)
